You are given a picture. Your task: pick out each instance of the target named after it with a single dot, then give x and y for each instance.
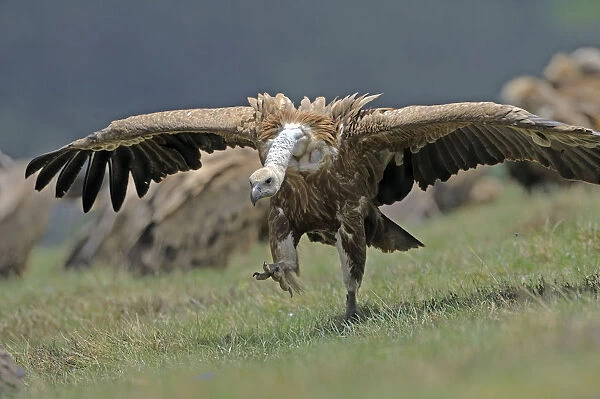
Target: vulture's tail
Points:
(388, 236)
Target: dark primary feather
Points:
(93, 178)
(118, 168)
(69, 173)
(51, 168)
(139, 165)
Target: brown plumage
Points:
(328, 166)
(569, 92)
(192, 219)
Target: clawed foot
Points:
(278, 272)
(351, 317)
(351, 309)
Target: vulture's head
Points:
(265, 182)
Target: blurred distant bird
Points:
(474, 186)
(327, 166)
(570, 93)
(5, 160)
(471, 187)
(190, 220)
(566, 68)
(24, 216)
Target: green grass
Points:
(502, 302)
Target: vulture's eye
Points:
(269, 180)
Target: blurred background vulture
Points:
(193, 219)
(24, 215)
(569, 91)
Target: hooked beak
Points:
(255, 194)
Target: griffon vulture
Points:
(569, 92)
(327, 166)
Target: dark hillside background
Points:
(69, 67)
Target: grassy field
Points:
(502, 302)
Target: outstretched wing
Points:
(149, 146)
(435, 142)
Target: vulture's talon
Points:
(280, 274)
(261, 276)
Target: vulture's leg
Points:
(352, 248)
(283, 240)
